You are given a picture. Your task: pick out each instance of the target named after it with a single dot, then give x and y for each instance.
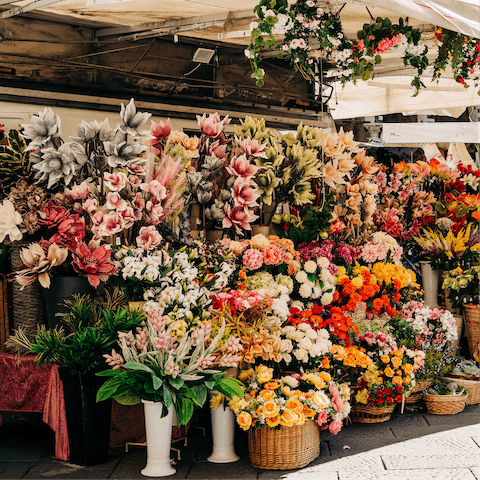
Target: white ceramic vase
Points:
(223, 433)
(159, 437)
(430, 279)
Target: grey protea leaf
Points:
(119, 136)
(217, 211)
(225, 195)
(212, 163)
(45, 126)
(230, 182)
(132, 120)
(123, 153)
(86, 131)
(56, 164)
(204, 196)
(194, 178)
(206, 185)
(105, 132)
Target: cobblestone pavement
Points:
(412, 446)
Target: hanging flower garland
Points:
(301, 24)
(461, 52)
(359, 57)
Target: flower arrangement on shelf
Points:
(446, 251)
(155, 365)
(425, 327)
(462, 285)
(461, 52)
(291, 400)
(340, 254)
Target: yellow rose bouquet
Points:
(291, 400)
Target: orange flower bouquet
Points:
(291, 400)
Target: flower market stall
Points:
(266, 275)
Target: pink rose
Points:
(134, 180)
(149, 237)
(322, 417)
(335, 426)
(115, 181)
(252, 258)
(116, 202)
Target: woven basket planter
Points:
(4, 311)
(472, 387)
(444, 404)
(285, 448)
(369, 414)
(472, 325)
(416, 394)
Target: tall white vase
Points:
(223, 433)
(159, 437)
(430, 279)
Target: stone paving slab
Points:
(23, 451)
(444, 474)
(360, 461)
(14, 470)
(303, 474)
(406, 462)
(206, 470)
(365, 429)
(476, 472)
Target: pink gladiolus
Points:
(93, 260)
(129, 216)
(78, 192)
(138, 201)
(243, 194)
(115, 181)
(149, 237)
(157, 214)
(116, 202)
(239, 218)
(252, 147)
(241, 167)
(212, 126)
(112, 223)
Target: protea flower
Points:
(38, 264)
(120, 155)
(133, 120)
(45, 125)
(212, 126)
(94, 260)
(56, 164)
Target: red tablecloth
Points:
(26, 388)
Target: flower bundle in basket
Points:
(445, 398)
(282, 415)
(467, 375)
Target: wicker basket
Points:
(369, 414)
(472, 326)
(416, 394)
(444, 404)
(28, 304)
(472, 387)
(4, 312)
(285, 448)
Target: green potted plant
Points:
(169, 371)
(88, 332)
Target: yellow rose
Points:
(271, 385)
(407, 380)
(270, 409)
(397, 380)
(295, 405)
(286, 390)
(389, 372)
(325, 376)
(396, 362)
(264, 374)
(408, 368)
(385, 358)
(288, 418)
(215, 401)
(362, 396)
(266, 394)
(273, 421)
(317, 381)
(300, 418)
(245, 374)
(244, 420)
(320, 399)
(398, 353)
(308, 412)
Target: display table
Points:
(24, 387)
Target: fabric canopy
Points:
(461, 16)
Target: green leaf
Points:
(200, 394)
(157, 382)
(230, 387)
(138, 366)
(108, 389)
(127, 399)
(167, 397)
(378, 59)
(17, 143)
(109, 373)
(176, 383)
(209, 384)
(271, 20)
